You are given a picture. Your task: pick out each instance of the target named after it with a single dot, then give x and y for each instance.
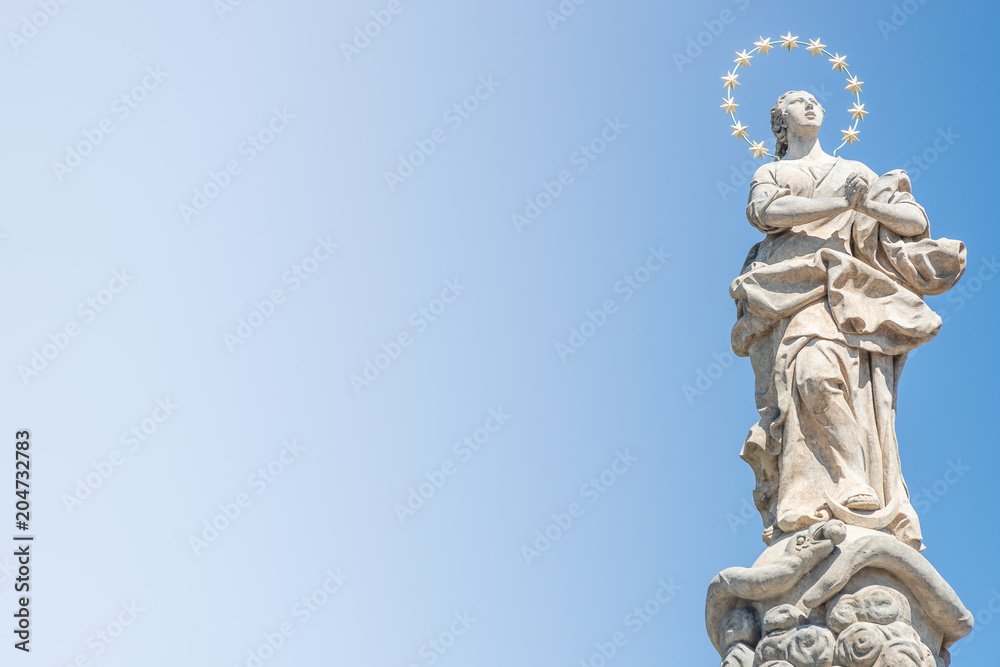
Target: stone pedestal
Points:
(835, 596)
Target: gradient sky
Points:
(234, 179)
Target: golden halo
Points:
(789, 41)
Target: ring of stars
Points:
(790, 41)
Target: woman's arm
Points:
(792, 211)
(906, 219)
(773, 208)
(903, 218)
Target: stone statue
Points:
(828, 306)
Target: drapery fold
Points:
(827, 331)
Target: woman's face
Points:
(802, 110)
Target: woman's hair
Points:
(778, 125)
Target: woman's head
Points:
(797, 108)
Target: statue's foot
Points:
(862, 502)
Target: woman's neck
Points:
(804, 148)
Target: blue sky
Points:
(333, 340)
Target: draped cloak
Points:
(852, 286)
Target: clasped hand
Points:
(856, 192)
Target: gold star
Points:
(850, 135)
(743, 59)
(854, 85)
(858, 111)
(789, 41)
(729, 105)
(757, 148)
(764, 45)
(839, 61)
(815, 47)
(740, 130)
(730, 81)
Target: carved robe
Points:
(827, 312)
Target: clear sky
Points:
(320, 314)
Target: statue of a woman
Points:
(829, 304)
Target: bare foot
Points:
(861, 502)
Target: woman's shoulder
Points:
(766, 172)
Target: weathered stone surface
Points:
(835, 595)
(828, 306)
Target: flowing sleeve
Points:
(764, 190)
(924, 265)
